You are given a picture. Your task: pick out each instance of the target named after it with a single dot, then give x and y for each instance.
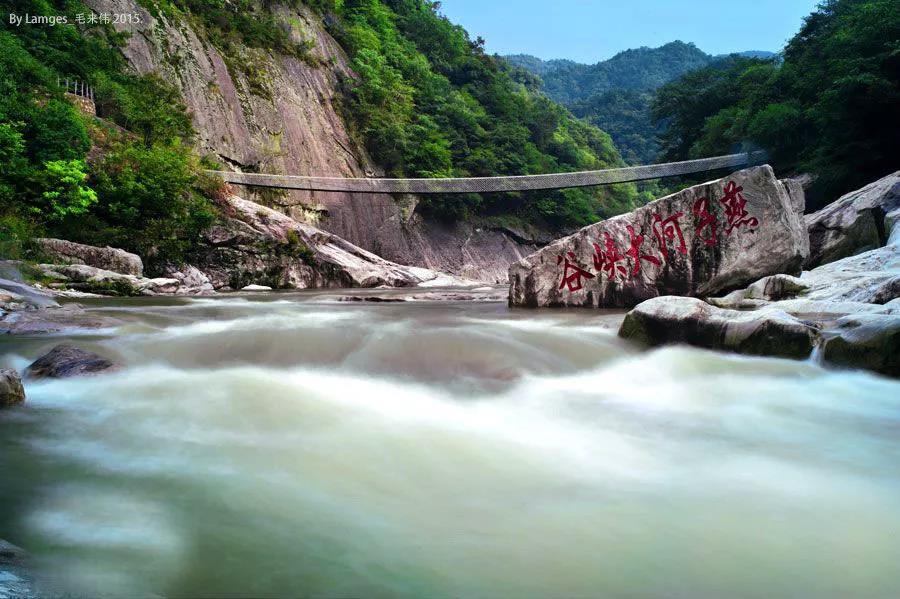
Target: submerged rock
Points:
(106, 258)
(854, 223)
(700, 241)
(11, 391)
(669, 319)
(66, 360)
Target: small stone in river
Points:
(11, 391)
(66, 360)
(256, 288)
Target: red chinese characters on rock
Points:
(666, 230)
(735, 208)
(606, 259)
(634, 252)
(706, 224)
(572, 273)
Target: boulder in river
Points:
(856, 222)
(11, 391)
(870, 341)
(107, 258)
(66, 360)
(703, 240)
(664, 320)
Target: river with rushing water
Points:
(292, 444)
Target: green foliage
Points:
(625, 115)
(830, 109)
(428, 102)
(148, 203)
(137, 191)
(64, 193)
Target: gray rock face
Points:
(11, 391)
(261, 246)
(284, 121)
(771, 332)
(700, 241)
(854, 223)
(106, 258)
(64, 361)
(192, 281)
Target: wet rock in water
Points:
(24, 296)
(370, 298)
(256, 288)
(870, 341)
(53, 320)
(66, 360)
(703, 240)
(854, 223)
(106, 258)
(665, 320)
(11, 391)
(15, 583)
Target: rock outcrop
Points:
(279, 116)
(60, 251)
(261, 246)
(856, 222)
(700, 241)
(64, 361)
(89, 279)
(11, 391)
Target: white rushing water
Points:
(302, 446)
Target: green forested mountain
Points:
(615, 94)
(831, 108)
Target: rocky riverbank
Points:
(845, 312)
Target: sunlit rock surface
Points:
(700, 241)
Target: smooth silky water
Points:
(287, 445)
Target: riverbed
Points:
(294, 444)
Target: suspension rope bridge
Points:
(454, 185)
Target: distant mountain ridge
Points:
(638, 69)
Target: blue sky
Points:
(589, 31)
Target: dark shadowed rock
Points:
(870, 341)
(11, 391)
(66, 360)
(854, 223)
(107, 258)
(665, 320)
(703, 240)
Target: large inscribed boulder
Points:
(703, 240)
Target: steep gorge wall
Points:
(277, 114)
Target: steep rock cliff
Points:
(277, 114)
